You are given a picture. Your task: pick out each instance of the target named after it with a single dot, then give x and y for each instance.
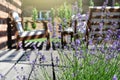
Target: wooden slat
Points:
(107, 23)
(105, 20)
(110, 16)
(102, 13)
(93, 27)
(99, 9)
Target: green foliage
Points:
(34, 14)
(87, 66)
(34, 17)
(52, 13)
(117, 4)
(44, 15)
(91, 3)
(80, 5)
(34, 25)
(65, 11)
(26, 26)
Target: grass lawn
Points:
(43, 39)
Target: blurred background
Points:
(28, 5)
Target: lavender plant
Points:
(89, 64)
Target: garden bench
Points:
(101, 19)
(22, 35)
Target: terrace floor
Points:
(16, 64)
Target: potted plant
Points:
(65, 13)
(34, 17)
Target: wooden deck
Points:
(16, 64)
(19, 63)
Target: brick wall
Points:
(5, 7)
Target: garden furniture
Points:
(22, 35)
(80, 26)
(67, 32)
(102, 20)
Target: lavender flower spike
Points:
(115, 77)
(1, 76)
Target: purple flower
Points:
(57, 60)
(33, 62)
(60, 27)
(77, 42)
(109, 31)
(108, 57)
(106, 1)
(76, 53)
(100, 32)
(59, 36)
(99, 38)
(92, 51)
(28, 57)
(18, 78)
(24, 77)
(65, 47)
(43, 58)
(81, 52)
(1, 76)
(54, 34)
(90, 42)
(115, 23)
(102, 50)
(118, 49)
(79, 16)
(50, 26)
(39, 53)
(21, 68)
(114, 77)
(73, 45)
(15, 68)
(100, 25)
(56, 45)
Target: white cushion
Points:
(69, 29)
(31, 33)
(18, 24)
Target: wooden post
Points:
(9, 35)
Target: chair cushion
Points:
(18, 23)
(31, 33)
(69, 29)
